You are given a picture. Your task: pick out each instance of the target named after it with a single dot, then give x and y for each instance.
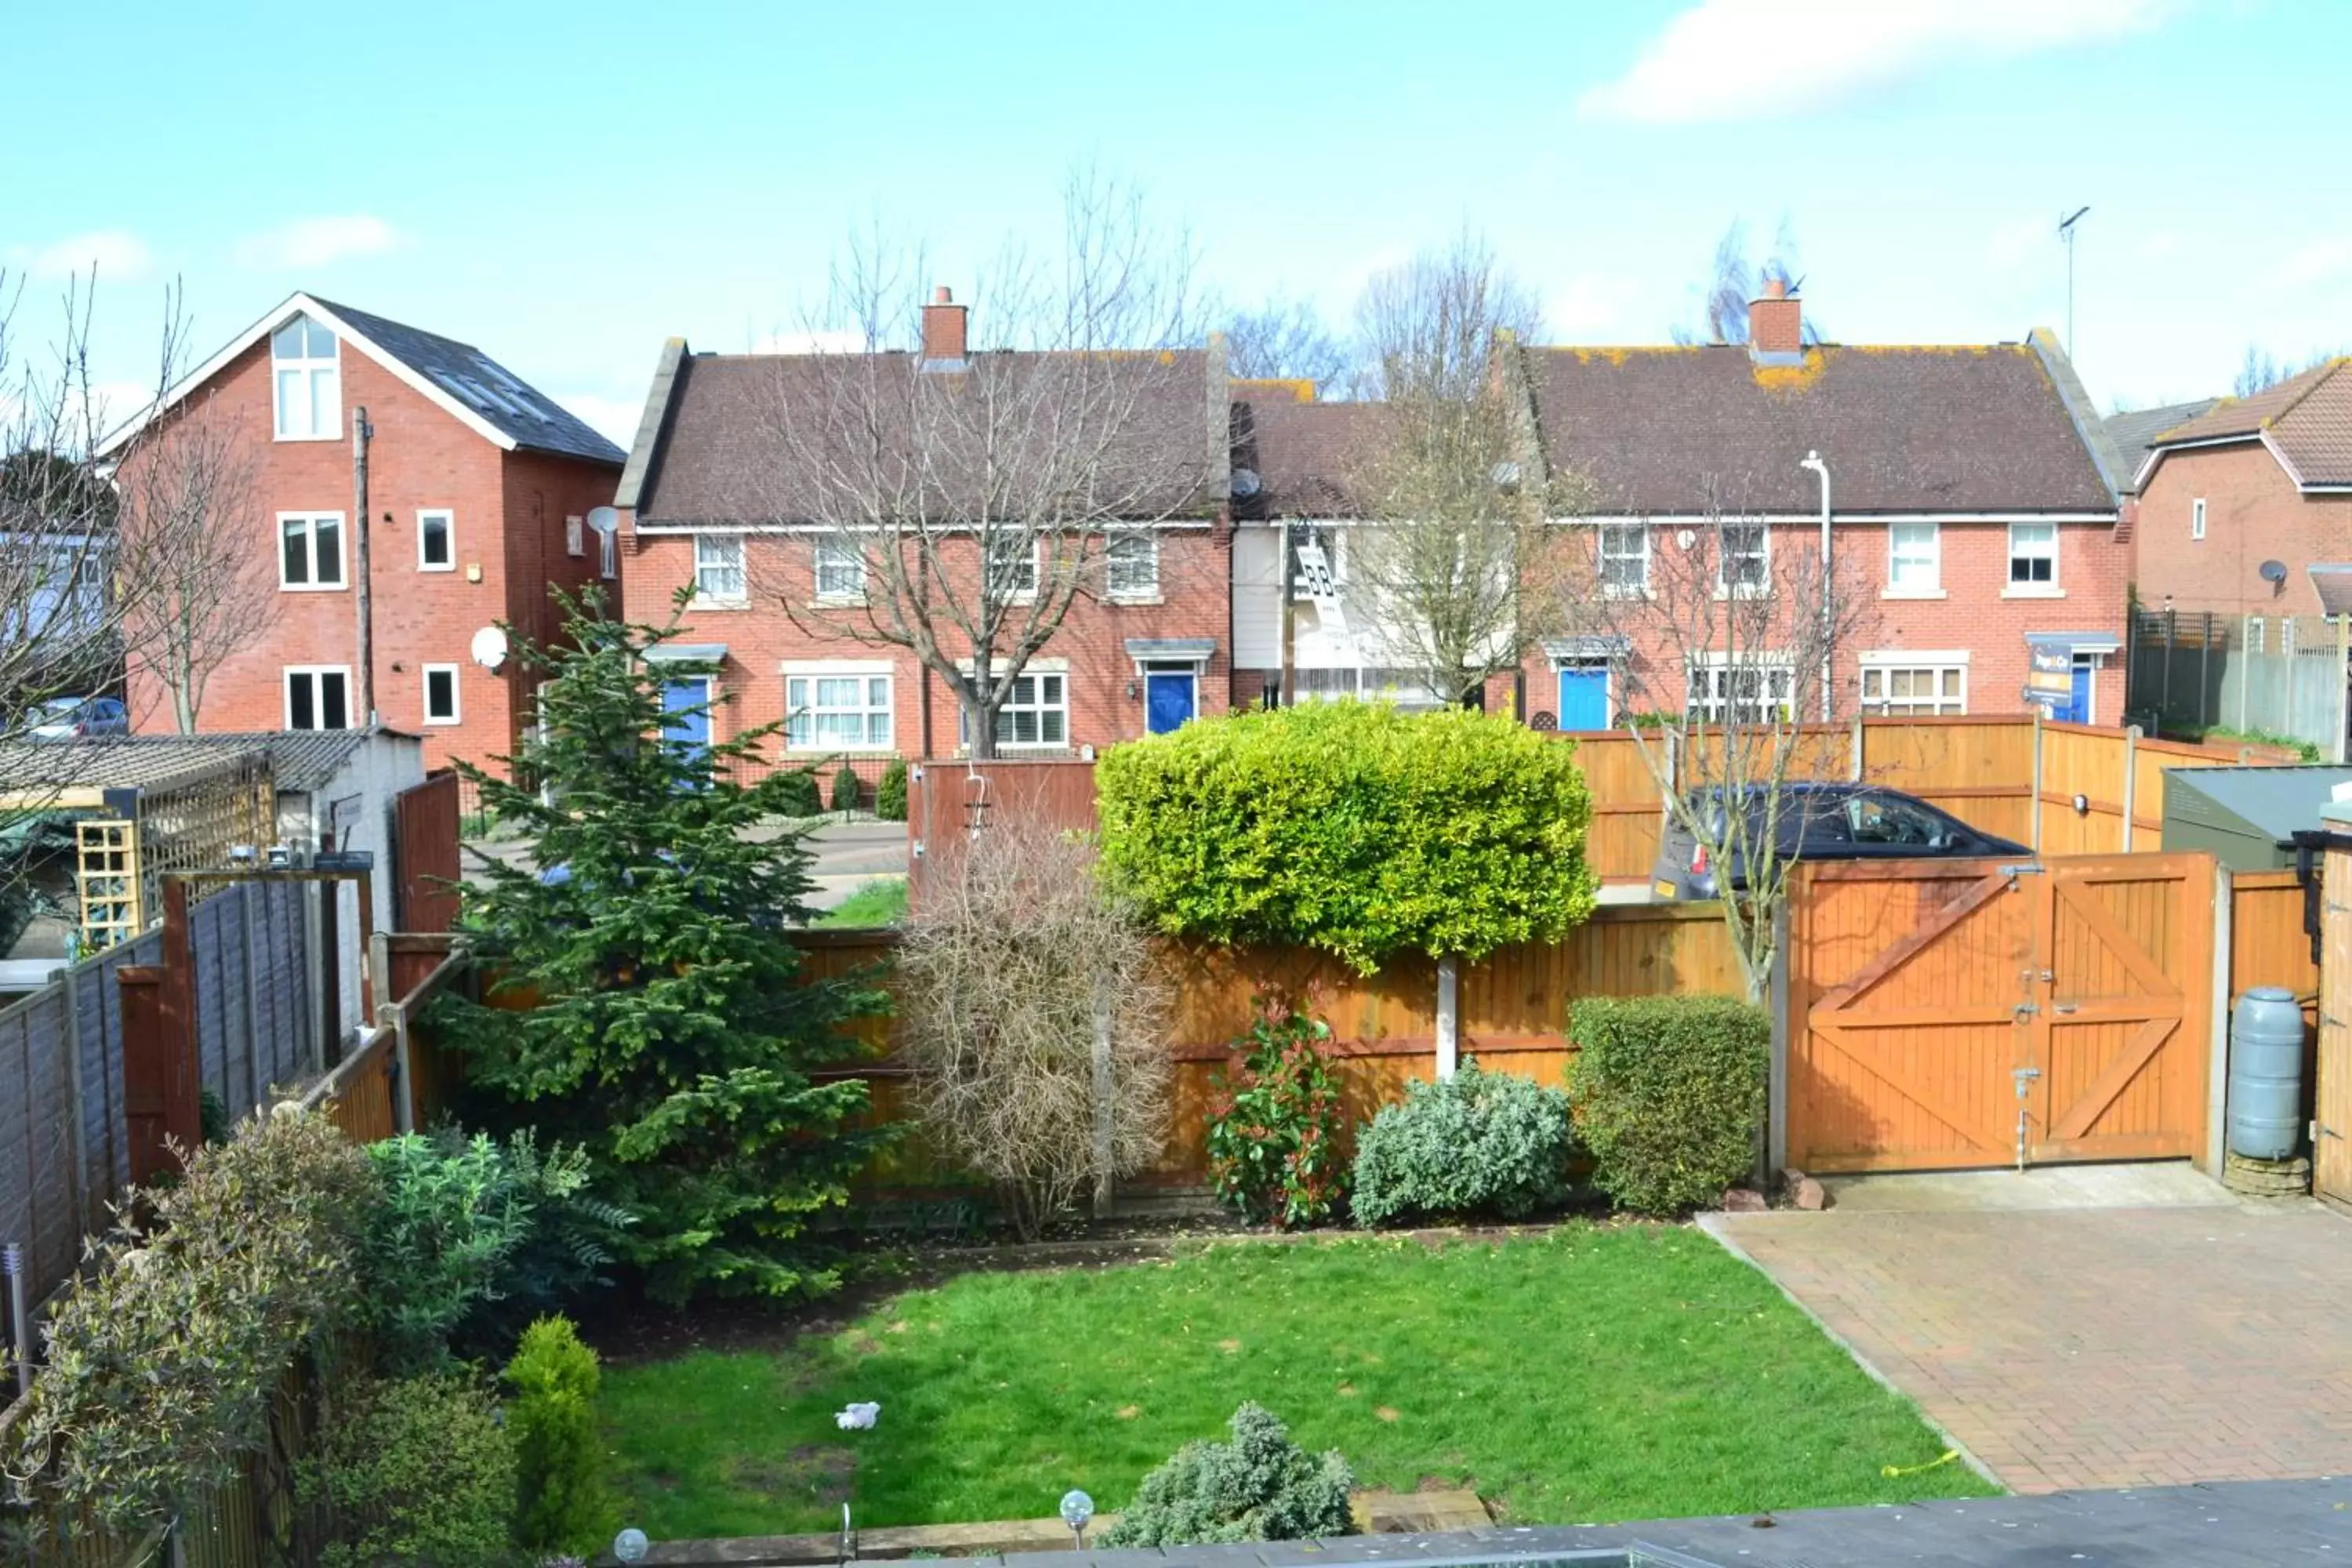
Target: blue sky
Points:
(567, 185)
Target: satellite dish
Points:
(489, 648)
(603, 519)
(2272, 572)
(1246, 483)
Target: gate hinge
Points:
(2022, 868)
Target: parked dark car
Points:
(1822, 821)
(71, 718)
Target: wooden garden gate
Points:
(1949, 1014)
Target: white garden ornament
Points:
(858, 1418)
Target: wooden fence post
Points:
(1105, 1087)
(1854, 746)
(1775, 1151)
(2131, 782)
(2038, 742)
(183, 1107)
(2217, 1111)
(77, 1150)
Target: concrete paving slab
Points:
(2174, 1184)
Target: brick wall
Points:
(1974, 612)
(506, 508)
(2253, 513)
(760, 640)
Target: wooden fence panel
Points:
(1622, 841)
(425, 851)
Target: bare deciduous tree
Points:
(1460, 567)
(204, 592)
(1030, 1012)
(1735, 637)
(1288, 340)
(970, 494)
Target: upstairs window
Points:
(719, 568)
(840, 570)
(1914, 558)
(2197, 517)
(441, 694)
(1624, 560)
(318, 696)
(1745, 565)
(304, 358)
(436, 542)
(2032, 555)
(575, 533)
(1131, 564)
(309, 550)
(1011, 568)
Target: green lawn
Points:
(877, 903)
(1600, 1373)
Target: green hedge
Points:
(890, 795)
(1352, 827)
(1669, 1094)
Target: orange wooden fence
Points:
(1514, 1015)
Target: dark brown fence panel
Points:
(946, 801)
(424, 845)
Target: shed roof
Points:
(153, 764)
(2274, 800)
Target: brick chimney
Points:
(1776, 323)
(944, 329)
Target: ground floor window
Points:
(1407, 689)
(1037, 713)
(843, 709)
(318, 696)
(1906, 685)
(1757, 690)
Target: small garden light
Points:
(1076, 1508)
(631, 1545)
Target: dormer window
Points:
(308, 380)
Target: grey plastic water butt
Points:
(2265, 1074)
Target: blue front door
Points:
(2078, 708)
(685, 712)
(1169, 698)
(1584, 697)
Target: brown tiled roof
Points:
(1680, 431)
(2136, 431)
(1301, 453)
(722, 454)
(2307, 418)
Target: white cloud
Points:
(316, 241)
(2017, 241)
(1588, 307)
(614, 418)
(2319, 261)
(1744, 59)
(117, 254)
(808, 340)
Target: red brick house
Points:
(2256, 481)
(780, 627)
(479, 491)
(1972, 502)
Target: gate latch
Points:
(2022, 868)
(2026, 1009)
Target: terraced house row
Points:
(1970, 493)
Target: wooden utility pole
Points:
(364, 704)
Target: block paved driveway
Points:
(2093, 1347)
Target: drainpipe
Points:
(1814, 464)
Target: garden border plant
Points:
(1669, 1095)
(1275, 1125)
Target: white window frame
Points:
(308, 369)
(801, 710)
(311, 672)
(1724, 587)
(457, 703)
(1140, 592)
(310, 522)
(1931, 557)
(1604, 555)
(608, 555)
(1026, 581)
(1703, 696)
(1041, 671)
(2197, 517)
(448, 538)
(837, 540)
(2014, 587)
(1883, 663)
(575, 536)
(732, 595)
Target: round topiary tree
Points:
(1352, 827)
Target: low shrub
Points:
(563, 1504)
(1669, 1094)
(1259, 1486)
(796, 794)
(416, 1469)
(1275, 1123)
(165, 1354)
(846, 789)
(1479, 1144)
(890, 794)
(474, 1233)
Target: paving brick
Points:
(2090, 1348)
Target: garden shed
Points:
(2246, 817)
